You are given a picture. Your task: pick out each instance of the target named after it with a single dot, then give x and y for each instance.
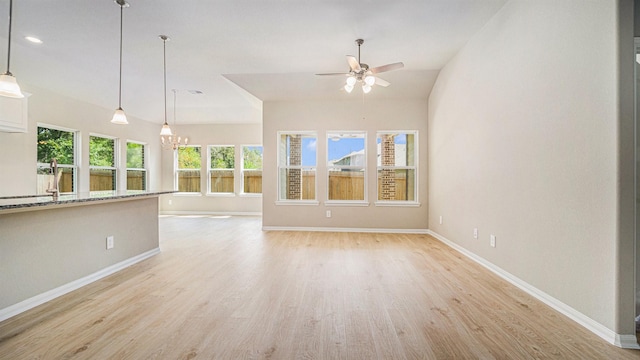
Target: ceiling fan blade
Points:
(333, 74)
(388, 67)
(353, 63)
(382, 82)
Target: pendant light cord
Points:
(120, 81)
(164, 63)
(9, 40)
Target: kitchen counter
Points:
(29, 202)
(49, 248)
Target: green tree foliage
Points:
(100, 151)
(55, 144)
(189, 158)
(222, 157)
(135, 156)
(252, 156)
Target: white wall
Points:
(524, 144)
(19, 149)
(352, 114)
(204, 135)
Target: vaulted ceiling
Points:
(238, 53)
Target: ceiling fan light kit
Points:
(360, 72)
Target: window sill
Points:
(297, 202)
(256, 195)
(221, 194)
(346, 203)
(187, 194)
(398, 203)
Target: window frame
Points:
(415, 168)
(76, 155)
(280, 167)
(210, 169)
(242, 169)
(364, 201)
(116, 160)
(144, 164)
(177, 170)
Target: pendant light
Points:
(119, 117)
(166, 130)
(174, 141)
(8, 85)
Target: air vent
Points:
(195, 92)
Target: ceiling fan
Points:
(360, 72)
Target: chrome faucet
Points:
(54, 190)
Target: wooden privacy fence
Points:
(342, 185)
(97, 181)
(221, 181)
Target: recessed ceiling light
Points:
(34, 40)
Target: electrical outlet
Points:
(475, 233)
(440, 219)
(110, 243)
(492, 241)
(170, 202)
(328, 213)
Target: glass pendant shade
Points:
(366, 89)
(351, 81)
(9, 87)
(166, 130)
(348, 88)
(119, 117)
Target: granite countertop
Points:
(27, 201)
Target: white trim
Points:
(221, 194)
(34, 301)
(346, 203)
(624, 341)
(213, 213)
(297, 202)
(398, 203)
(347, 230)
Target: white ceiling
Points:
(237, 52)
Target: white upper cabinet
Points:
(13, 114)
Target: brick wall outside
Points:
(294, 177)
(388, 176)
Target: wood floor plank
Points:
(222, 288)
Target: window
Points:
(397, 173)
(297, 166)
(222, 162)
(57, 144)
(102, 163)
(252, 169)
(136, 171)
(346, 165)
(188, 165)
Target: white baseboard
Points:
(212, 213)
(340, 229)
(34, 301)
(624, 341)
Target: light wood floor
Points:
(223, 289)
